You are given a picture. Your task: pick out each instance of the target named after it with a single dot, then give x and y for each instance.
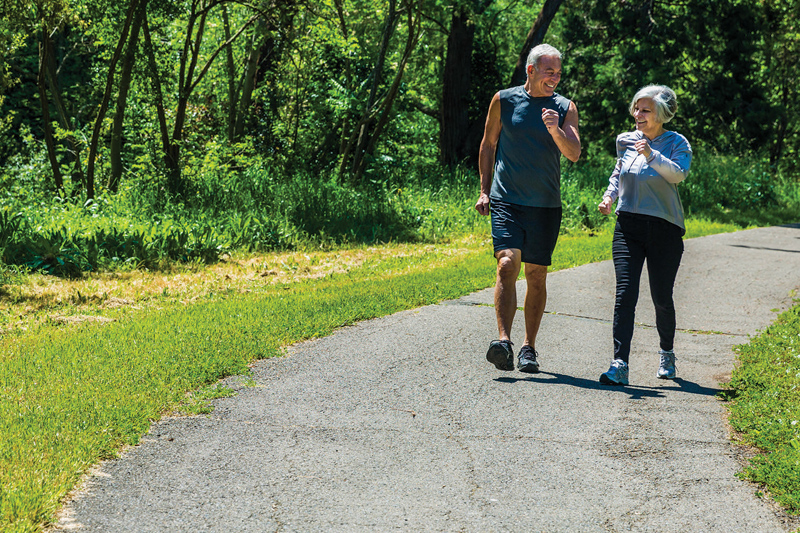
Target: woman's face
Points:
(644, 113)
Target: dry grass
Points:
(35, 299)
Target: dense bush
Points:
(237, 203)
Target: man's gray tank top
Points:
(527, 169)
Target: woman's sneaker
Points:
(666, 370)
(617, 374)
(527, 360)
(501, 355)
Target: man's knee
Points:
(535, 274)
(508, 264)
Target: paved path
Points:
(399, 423)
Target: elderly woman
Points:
(651, 161)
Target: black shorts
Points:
(532, 230)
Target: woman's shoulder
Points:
(628, 138)
(676, 139)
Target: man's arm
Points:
(566, 138)
(491, 135)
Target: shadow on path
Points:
(636, 392)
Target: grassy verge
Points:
(765, 410)
(73, 394)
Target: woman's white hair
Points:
(538, 52)
(664, 98)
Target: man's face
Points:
(543, 81)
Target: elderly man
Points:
(528, 128)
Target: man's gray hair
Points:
(664, 98)
(538, 52)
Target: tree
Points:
(376, 112)
(712, 67)
(134, 13)
(45, 19)
(535, 37)
(192, 68)
(125, 79)
(776, 65)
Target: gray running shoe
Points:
(527, 360)
(666, 370)
(617, 374)
(501, 355)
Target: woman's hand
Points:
(643, 147)
(605, 206)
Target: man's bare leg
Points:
(505, 290)
(500, 353)
(535, 300)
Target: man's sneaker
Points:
(666, 370)
(527, 360)
(501, 355)
(617, 374)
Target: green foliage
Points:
(616, 48)
(237, 203)
(765, 388)
(729, 182)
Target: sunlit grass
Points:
(765, 411)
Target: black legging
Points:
(636, 238)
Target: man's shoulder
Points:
(561, 100)
(511, 92)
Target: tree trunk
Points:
(535, 37)
(122, 99)
(454, 115)
(157, 90)
(49, 138)
(231, 72)
(187, 68)
(254, 57)
(61, 110)
(101, 113)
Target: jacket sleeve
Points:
(613, 181)
(673, 169)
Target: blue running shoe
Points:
(617, 374)
(666, 370)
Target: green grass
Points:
(765, 410)
(73, 396)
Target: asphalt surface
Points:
(400, 424)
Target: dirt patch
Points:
(79, 319)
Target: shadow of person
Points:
(694, 388)
(636, 392)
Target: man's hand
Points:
(605, 206)
(483, 205)
(566, 137)
(550, 119)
